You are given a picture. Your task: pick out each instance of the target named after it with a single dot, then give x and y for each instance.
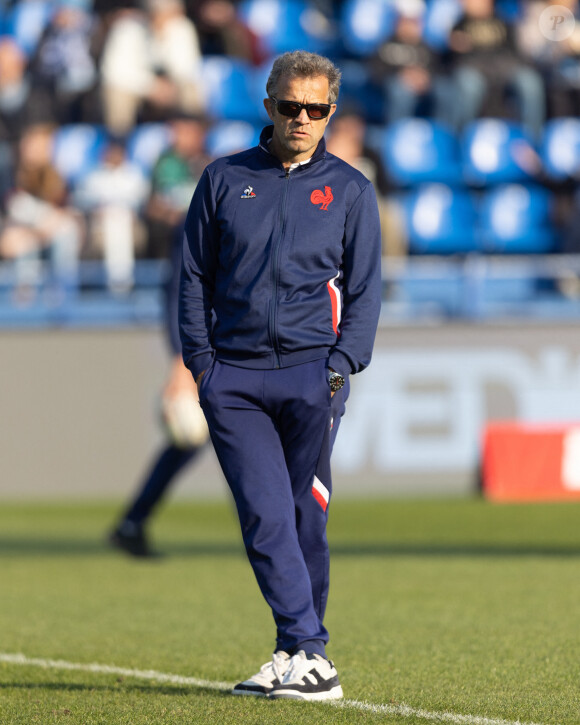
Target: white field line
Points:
(398, 710)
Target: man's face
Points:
(295, 139)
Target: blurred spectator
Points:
(346, 139)
(183, 423)
(39, 222)
(409, 70)
(14, 87)
(173, 181)
(112, 196)
(63, 67)
(19, 105)
(487, 66)
(222, 32)
(150, 65)
(559, 62)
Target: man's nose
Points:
(303, 116)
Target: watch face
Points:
(336, 381)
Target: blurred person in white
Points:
(173, 181)
(112, 196)
(151, 63)
(347, 140)
(487, 66)
(39, 222)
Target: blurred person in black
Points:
(559, 62)
(184, 425)
(173, 181)
(488, 67)
(19, 107)
(63, 68)
(410, 72)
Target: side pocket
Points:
(202, 388)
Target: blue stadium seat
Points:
(284, 25)
(146, 143)
(228, 137)
(560, 148)
(229, 85)
(77, 149)
(365, 24)
(417, 150)
(489, 148)
(515, 219)
(440, 17)
(26, 21)
(440, 220)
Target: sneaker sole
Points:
(250, 693)
(334, 694)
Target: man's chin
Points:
(299, 144)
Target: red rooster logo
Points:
(317, 197)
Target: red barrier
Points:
(526, 462)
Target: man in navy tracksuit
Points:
(279, 304)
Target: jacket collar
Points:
(266, 137)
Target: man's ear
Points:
(332, 110)
(268, 105)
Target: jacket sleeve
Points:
(198, 270)
(171, 293)
(361, 286)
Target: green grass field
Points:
(464, 612)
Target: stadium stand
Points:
(487, 213)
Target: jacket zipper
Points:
(275, 269)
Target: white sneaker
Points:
(270, 674)
(308, 677)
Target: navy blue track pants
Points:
(273, 432)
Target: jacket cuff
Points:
(337, 361)
(198, 363)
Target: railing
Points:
(481, 289)
(40, 300)
(427, 290)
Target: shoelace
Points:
(297, 668)
(279, 662)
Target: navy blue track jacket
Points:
(280, 268)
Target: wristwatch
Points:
(335, 380)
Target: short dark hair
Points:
(300, 63)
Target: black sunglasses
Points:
(292, 109)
